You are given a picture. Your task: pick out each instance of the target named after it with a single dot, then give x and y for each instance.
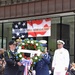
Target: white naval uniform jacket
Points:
(60, 60)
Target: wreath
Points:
(30, 44)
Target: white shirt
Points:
(60, 59)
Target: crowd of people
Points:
(59, 65)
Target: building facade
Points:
(61, 13)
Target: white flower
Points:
(23, 43)
(36, 58)
(18, 51)
(20, 55)
(39, 53)
(23, 58)
(38, 49)
(19, 47)
(36, 44)
(31, 60)
(32, 42)
(28, 41)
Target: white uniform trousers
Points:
(60, 73)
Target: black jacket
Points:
(11, 67)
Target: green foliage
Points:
(31, 45)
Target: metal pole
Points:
(74, 38)
(61, 28)
(2, 34)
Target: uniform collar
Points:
(61, 48)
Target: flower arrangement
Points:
(30, 44)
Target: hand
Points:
(66, 68)
(19, 64)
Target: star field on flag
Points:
(19, 29)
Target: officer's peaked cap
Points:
(60, 42)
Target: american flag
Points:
(33, 28)
(19, 30)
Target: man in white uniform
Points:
(61, 59)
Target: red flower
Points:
(35, 46)
(31, 44)
(23, 47)
(25, 57)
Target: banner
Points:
(34, 28)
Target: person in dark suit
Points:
(12, 64)
(42, 66)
